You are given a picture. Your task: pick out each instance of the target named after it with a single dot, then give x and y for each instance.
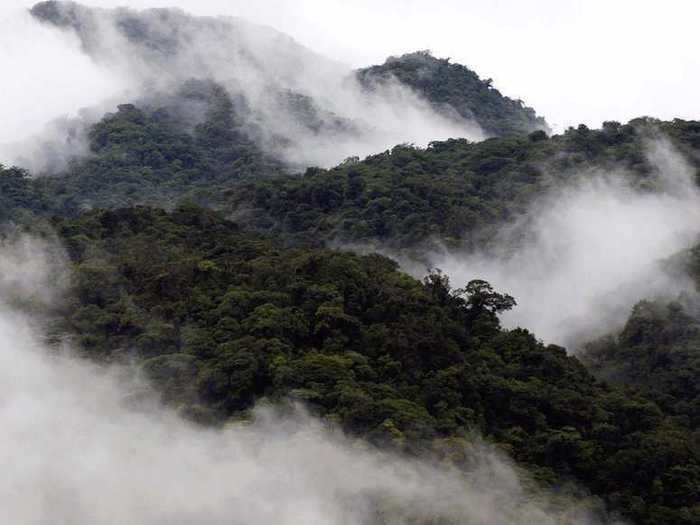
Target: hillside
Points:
(456, 192)
(281, 89)
(658, 351)
(454, 87)
(220, 318)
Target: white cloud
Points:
(44, 75)
(594, 248)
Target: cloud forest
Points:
(242, 282)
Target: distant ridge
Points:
(456, 87)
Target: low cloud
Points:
(588, 251)
(46, 76)
(304, 108)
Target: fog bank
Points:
(589, 250)
(46, 76)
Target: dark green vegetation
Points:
(658, 352)
(220, 318)
(189, 146)
(456, 191)
(454, 87)
(179, 148)
(20, 201)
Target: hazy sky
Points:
(574, 61)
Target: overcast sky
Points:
(574, 61)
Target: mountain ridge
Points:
(454, 87)
(297, 100)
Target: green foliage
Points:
(219, 318)
(193, 147)
(455, 87)
(658, 353)
(19, 201)
(457, 192)
(184, 147)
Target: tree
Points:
(482, 298)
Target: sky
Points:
(573, 61)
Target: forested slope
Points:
(658, 351)
(220, 318)
(455, 88)
(456, 191)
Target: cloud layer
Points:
(592, 249)
(46, 75)
(304, 108)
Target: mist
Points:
(590, 249)
(98, 58)
(84, 444)
(47, 77)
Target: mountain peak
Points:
(450, 86)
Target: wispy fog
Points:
(83, 445)
(591, 250)
(302, 107)
(45, 76)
